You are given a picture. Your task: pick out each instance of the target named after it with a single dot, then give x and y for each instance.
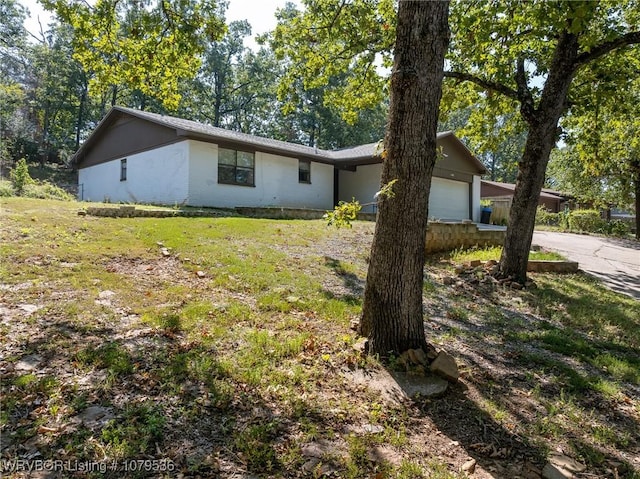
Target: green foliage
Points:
(148, 47)
(138, 431)
(6, 189)
(323, 42)
(46, 191)
(22, 184)
(586, 220)
(347, 211)
(20, 176)
(343, 214)
(386, 191)
(582, 221)
(494, 252)
(599, 163)
(549, 218)
(110, 356)
(617, 228)
(254, 443)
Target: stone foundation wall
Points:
(278, 213)
(133, 212)
(450, 236)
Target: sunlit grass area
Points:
(494, 252)
(225, 345)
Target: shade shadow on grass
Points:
(566, 380)
(351, 281)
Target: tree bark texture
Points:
(392, 316)
(543, 134)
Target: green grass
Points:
(248, 363)
(136, 433)
(494, 252)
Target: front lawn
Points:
(222, 347)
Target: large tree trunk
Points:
(392, 316)
(543, 134)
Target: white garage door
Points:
(449, 199)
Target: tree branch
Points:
(486, 84)
(527, 107)
(630, 38)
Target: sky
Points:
(259, 13)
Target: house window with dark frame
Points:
(123, 170)
(236, 167)
(304, 171)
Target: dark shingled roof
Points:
(361, 154)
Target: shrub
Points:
(20, 176)
(586, 220)
(46, 191)
(6, 188)
(617, 228)
(546, 217)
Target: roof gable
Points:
(119, 135)
(509, 188)
(163, 129)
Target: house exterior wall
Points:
(158, 176)
(276, 182)
(475, 199)
(126, 136)
(363, 183)
(489, 190)
(550, 202)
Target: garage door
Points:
(449, 199)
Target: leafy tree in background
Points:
(12, 41)
(600, 163)
(12, 36)
(500, 143)
(145, 46)
(329, 40)
(212, 94)
(57, 93)
(525, 56)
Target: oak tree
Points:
(528, 55)
(347, 38)
(600, 162)
(145, 45)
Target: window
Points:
(236, 167)
(123, 170)
(304, 171)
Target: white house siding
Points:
(448, 199)
(361, 184)
(276, 182)
(157, 176)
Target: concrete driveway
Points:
(615, 261)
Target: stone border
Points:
(449, 236)
(543, 266)
(128, 211)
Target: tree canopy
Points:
(512, 61)
(143, 45)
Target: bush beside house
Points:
(582, 221)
